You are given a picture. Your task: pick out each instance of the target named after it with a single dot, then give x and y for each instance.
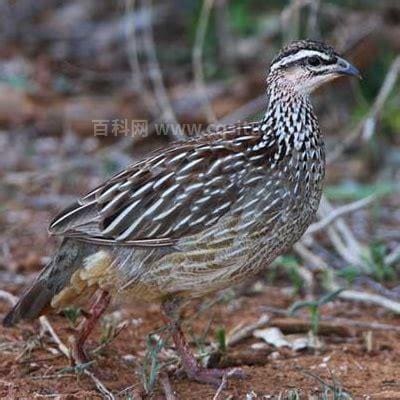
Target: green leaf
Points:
(356, 191)
(72, 314)
(329, 297)
(350, 273)
(298, 305)
(221, 339)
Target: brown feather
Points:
(53, 278)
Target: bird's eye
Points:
(314, 61)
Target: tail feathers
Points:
(32, 304)
(53, 278)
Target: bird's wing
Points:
(173, 194)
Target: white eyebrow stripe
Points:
(298, 56)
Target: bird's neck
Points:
(289, 114)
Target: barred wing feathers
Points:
(175, 193)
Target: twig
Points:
(325, 209)
(312, 21)
(239, 358)
(240, 333)
(166, 386)
(393, 257)
(99, 385)
(52, 376)
(226, 40)
(45, 324)
(290, 18)
(340, 321)
(338, 212)
(157, 79)
(348, 253)
(134, 393)
(370, 298)
(133, 59)
(375, 326)
(220, 388)
(333, 387)
(318, 263)
(369, 119)
(341, 236)
(291, 325)
(314, 260)
(197, 56)
(393, 294)
(10, 298)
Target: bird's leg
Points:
(86, 326)
(189, 362)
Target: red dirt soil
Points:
(28, 369)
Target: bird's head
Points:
(304, 65)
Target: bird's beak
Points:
(345, 68)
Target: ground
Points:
(364, 366)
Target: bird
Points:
(198, 216)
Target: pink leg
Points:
(86, 326)
(192, 368)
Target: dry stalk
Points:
(241, 332)
(99, 385)
(290, 18)
(166, 386)
(338, 321)
(370, 298)
(197, 59)
(352, 249)
(46, 326)
(393, 257)
(8, 297)
(156, 77)
(44, 322)
(133, 59)
(220, 388)
(313, 259)
(339, 212)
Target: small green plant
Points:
(221, 339)
(291, 266)
(314, 308)
(350, 274)
(108, 331)
(376, 266)
(72, 314)
(151, 365)
(375, 260)
(293, 394)
(77, 369)
(330, 391)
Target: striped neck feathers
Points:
(289, 115)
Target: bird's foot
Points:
(194, 371)
(77, 352)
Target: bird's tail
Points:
(53, 278)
